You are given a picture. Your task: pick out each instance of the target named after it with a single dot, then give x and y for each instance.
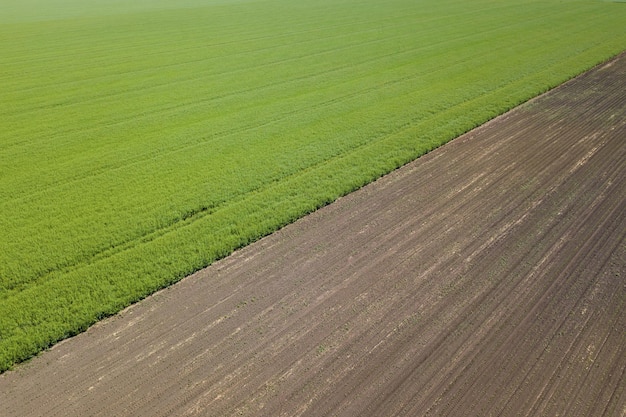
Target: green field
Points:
(140, 141)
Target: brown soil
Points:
(486, 278)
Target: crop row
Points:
(139, 147)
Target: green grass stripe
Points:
(397, 93)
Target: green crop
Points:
(141, 141)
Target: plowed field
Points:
(486, 278)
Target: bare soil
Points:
(486, 278)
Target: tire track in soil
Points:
(485, 278)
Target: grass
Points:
(141, 141)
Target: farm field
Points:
(485, 278)
(141, 142)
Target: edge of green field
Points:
(427, 97)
